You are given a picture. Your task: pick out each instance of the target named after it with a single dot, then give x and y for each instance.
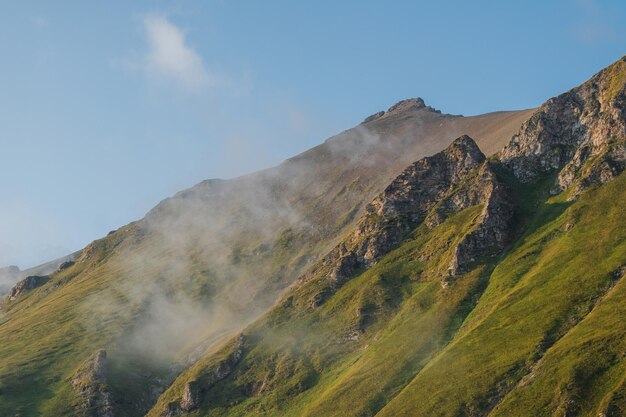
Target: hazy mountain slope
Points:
(11, 274)
(201, 265)
(469, 287)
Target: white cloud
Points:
(170, 56)
(169, 59)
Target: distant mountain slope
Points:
(468, 287)
(11, 274)
(109, 333)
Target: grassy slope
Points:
(34, 367)
(304, 357)
(91, 306)
(540, 332)
(550, 298)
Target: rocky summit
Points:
(419, 264)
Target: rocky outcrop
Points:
(194, 391)
(403, 205)
(374, 116)
(27, 284)
(403, 106)
(579, 135)
(90, 385)
(410, 104)
(65, 265)
(492, 231)
(429, 190)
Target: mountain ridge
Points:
(349, 265)
(287, 291)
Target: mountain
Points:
(417, 264)
(470, 286)
(200, 266)
(10, 275)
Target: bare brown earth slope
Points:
(140, 305)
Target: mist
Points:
(212, 258)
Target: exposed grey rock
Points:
(405, 203)
(191, 397)
(619, 273)
(428, 190)
(90, 384)
(579, 135)
(65, 265)
(493, 229)
(27, 284)
(410, 104)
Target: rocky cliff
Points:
(27, 284)
(579, 135)
(428, 190)
(90, 385)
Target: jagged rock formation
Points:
(492, 231)
(90, 385)
(580, 135)
(27, 284)
(428, 190)
(408, 105)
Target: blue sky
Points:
(108, 107)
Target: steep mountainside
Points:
(106, 334)
(470, 286)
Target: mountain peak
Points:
(403, 106)
(464, 141)
(580, 135)
(416, 103)
(464, 148)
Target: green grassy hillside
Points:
(506, 304)
(539, 331)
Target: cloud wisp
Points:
(170, 56)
